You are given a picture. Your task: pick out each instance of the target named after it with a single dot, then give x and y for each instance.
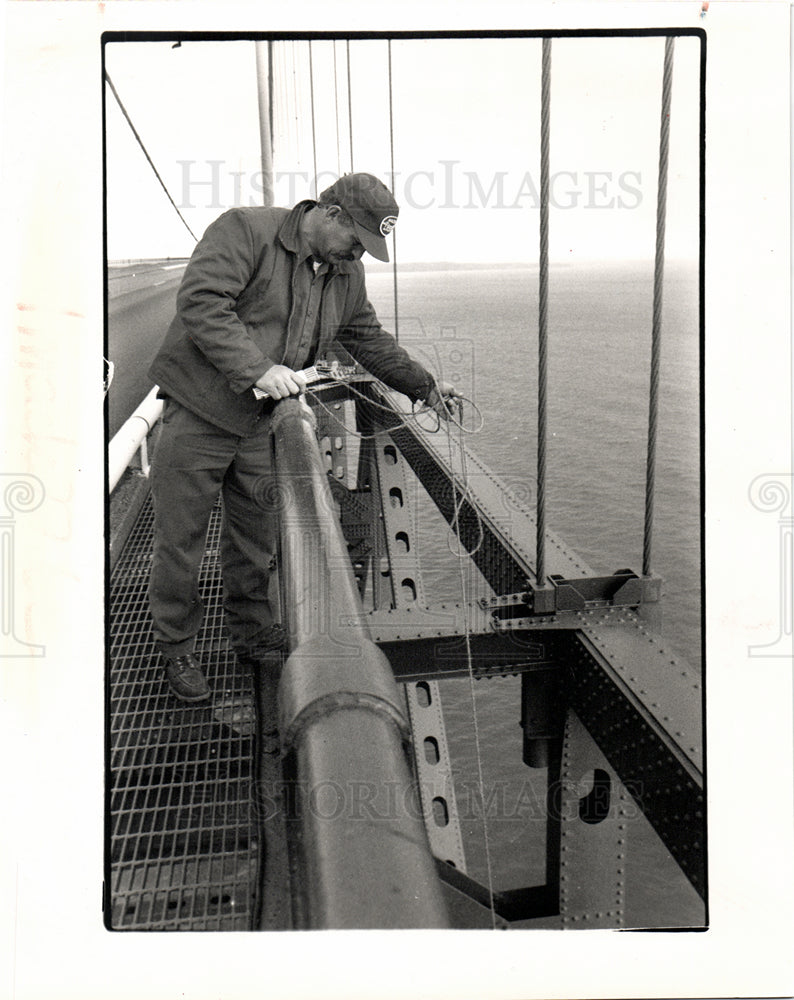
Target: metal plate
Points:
(593, 834)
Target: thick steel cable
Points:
(146, 154)
(350, 106)
(271, 82)
(336, 113)
(264, 88)
(393, 234)
(658, 292)
(314, 130)
(543, 309)
(295, 103)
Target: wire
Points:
(467, 639)
(461, 491)
(146, 154)
(411, 418)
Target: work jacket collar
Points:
(290, 238)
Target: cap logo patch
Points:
(388, 224)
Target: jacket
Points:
(236, 317)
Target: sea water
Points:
(478, 327)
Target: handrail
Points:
(364, 860)
(131, 437)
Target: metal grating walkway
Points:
(183, 848)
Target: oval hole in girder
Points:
(403, 543)
(396, 496)
(594, 807)
(423, 695)
(391, 454)
(385, 567)
(440, 811)
(432, 753)
(408, 589)
(338, 443)
(325, 451)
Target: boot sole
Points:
(189, 699)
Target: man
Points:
(265, 293)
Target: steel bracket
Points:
(623, 589)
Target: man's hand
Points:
(280, 382)
(443, 398)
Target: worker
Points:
(265, 293)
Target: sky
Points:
(465, 120)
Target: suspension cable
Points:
(350, 106)
(146, 154)
(543, 304)
(314, 131)
(658, 291)
(394, 233)
(336, 113)
(271, 82)
(299, 158)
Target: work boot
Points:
(186, 678)
(272, 641)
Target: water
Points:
(478, 327)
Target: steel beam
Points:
(649, 731)
(432, 761)
(593, 810)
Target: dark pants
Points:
(194, 461)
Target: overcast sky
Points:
(466, 121)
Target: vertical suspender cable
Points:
(270, 87)
(295, 102)
(264, 93)
(658, 290)
(543, 305)
(394, 234)
(350, 106)
(336, 113)
(314, 131)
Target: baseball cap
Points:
(370, 205)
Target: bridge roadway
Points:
(141, 302)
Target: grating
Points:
(183, 848)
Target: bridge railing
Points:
(131, 439)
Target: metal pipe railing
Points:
(363, 859)
(131, 437)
